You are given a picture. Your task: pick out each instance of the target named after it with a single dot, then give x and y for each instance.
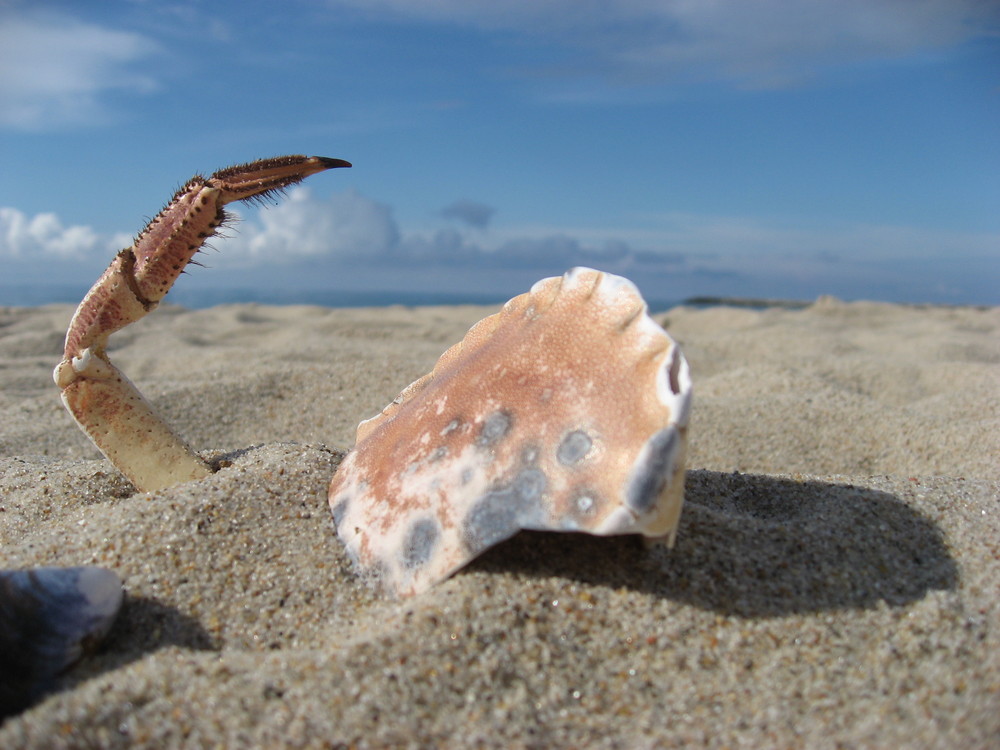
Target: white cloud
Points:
(42, 237)
(346, 224)
(753, 43)
(54, 70)
(350, 229)
(355, 229)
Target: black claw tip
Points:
(331, 163)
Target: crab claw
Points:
(101, 399)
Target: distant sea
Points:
(35, 295)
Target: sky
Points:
(739, 148)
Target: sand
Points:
(835, 583)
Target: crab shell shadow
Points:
(757, 546)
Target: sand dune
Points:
(836, 579)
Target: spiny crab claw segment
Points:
(140, 276)
(261, 178)
(104, 403)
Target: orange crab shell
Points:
(565, 411)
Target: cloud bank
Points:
(353, 230)
(350, 241)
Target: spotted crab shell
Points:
(565, 411)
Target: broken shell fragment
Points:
(49, 617)
(565, 411)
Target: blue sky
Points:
(724, 147)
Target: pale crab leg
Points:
(101, 399)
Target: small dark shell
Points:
(50, 617)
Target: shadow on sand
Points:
(143, 626)
(758, 546)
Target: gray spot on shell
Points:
(574, 448)
(529, 485)
(496, 426)
(451, 427)
(502, 512)
(340, 510)
(420, 542)
(653, 470)
(438, 453)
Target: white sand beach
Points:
(835, 582)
